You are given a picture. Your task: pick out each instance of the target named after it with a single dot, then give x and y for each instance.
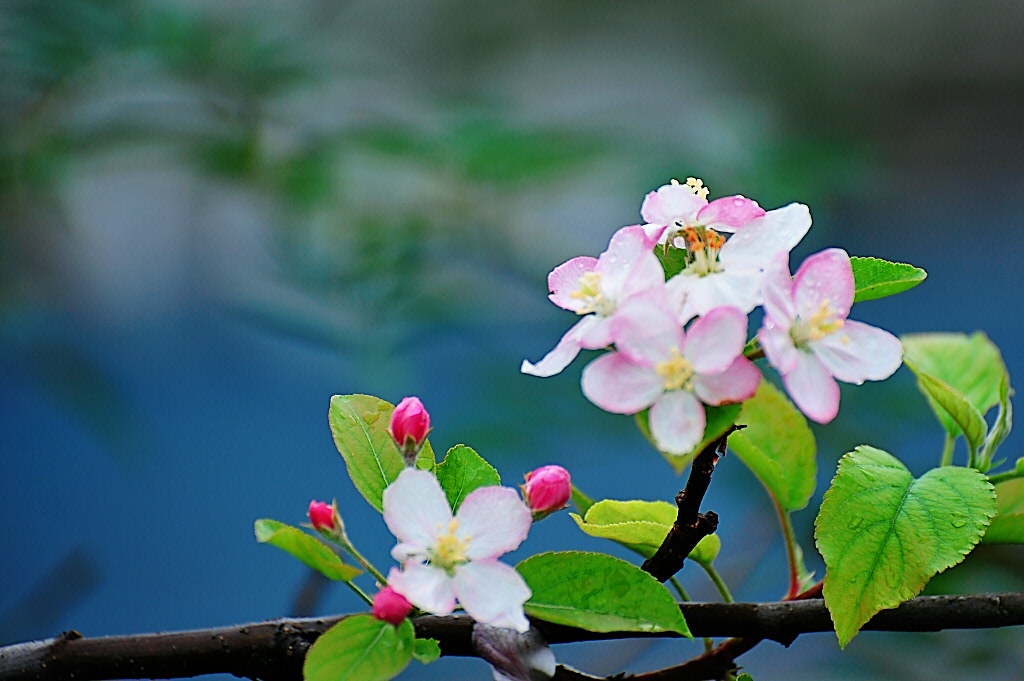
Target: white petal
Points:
(812, 388)
(645, 329)
(737, 286)
(677, 422)
(428, 588)
(493, 520)
(778, 346)
(737, 383)
(414, 508)
(564, 353)
(729, 213)
(620, 386)
(859, 352)
(565, 280)
(671, 203)
(777, 290)
(493, 593)
(715, 340)
(825, 277)
(628, 265)
(759, 240)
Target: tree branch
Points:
(274, 650)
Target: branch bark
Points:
(274, 650)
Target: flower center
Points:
(589, 292)
(449, 549)
(702, 246)
(824, 322)
(676, 371)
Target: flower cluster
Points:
(679, 344)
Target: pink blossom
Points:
(409, 426)
(674, 207)
(321, 516)
(807, 337)
(547, 489)
(448, 557)
(390, 606)
(660, 366)
(594, 288)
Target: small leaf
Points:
(426, 650)
(876, 278)
(672, 259)
(359, 424)
(306, 548)
(719, 420)
(947, 400)
(1002, 426)
(706, 550)
(360, 648)
(600, 593)
(883, 534)
(1008, 525)
(581, 501)
(461, 472)
(640, 526)
(777, 446)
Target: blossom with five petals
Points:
(447, 557)
(660, 366)
(594, 288)
(808, 339)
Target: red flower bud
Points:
(409, 426)
(321, 515)
(390, 606)
(547, 489)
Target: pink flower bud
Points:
(390, 606)
(547, 489)
(321, 515)
(410, 424)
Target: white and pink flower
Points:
(448, 558)
(807, 337)
(660, 366)
(594, 288)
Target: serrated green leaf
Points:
(876, 278)
(581, 501)
(462, 471)
(359, 425)
(947, 400)
(1008, 525)
(306, 548)
(778, 446)
(1001, 428)
(672, 259)
(883, 534)
(596, 592)
(360, 648)
(426, 650)
(719, 420)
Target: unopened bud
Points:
(324, 518)
(390, 606)
(547, 489)
(410, 424)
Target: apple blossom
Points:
(390, 606)
(547, 489)
(449, 557)
(594, 288)
(660, 366)
(807, 337)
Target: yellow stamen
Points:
(449, 549)
(676, 371)
(589, 291)
(697, 187)
(823, 322)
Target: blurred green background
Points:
(214, 215)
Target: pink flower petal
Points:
(778, 346)
(493, 521)
(812, 388)
(628, 265)
(729, 213)
(564, 353)
(737, 383)
(671, 203)
(620, 386)
(758, 241)
(414, 506)
(493, 593)
(777, 291)
(859, 352)
(825, 277)
(597, 334)
(428, 588)
(715, 340)
(738, 287)
(565, 280)
(645, 329)
(677, 422)
(653, 233)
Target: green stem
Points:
(708, 643)
(947, 450)
(791, 549)
(1006, 475)
(367, 565)
(359, 592)
(716, 579)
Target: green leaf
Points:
(426, 650)
(951, 403)
(306, 548)
(596, 592)
(706, 550)
(461, 472)
(1008, 525)
(359, 424)
(360, 648)
(777, 446)
(883, 534)
(971, 365)
(1002, 426)
(580, 500)
(719, 420)
(673, 260)
(876, 278)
